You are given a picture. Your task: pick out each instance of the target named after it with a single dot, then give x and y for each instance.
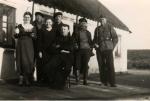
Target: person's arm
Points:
(95, 39)
(17, 31)
(74, 40)
(114, 36)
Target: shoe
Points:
(85, 83)
(21, 79)
(77, 77)
(27, 82)
(113, 85)
(105, 84)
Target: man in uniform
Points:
(105, 40)
(82, 39)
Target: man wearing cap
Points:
(83, 41)
(105, 40)
(39, 25)
(58, 23)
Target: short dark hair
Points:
(39, 13)
(27, 13)
(57, 13)
(65, 25)
(82, 20)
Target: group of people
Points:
(53, 50)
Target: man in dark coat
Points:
(105, 40)
(39, 25)
(58, 23)
(83, 43)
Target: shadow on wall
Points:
(8, 70)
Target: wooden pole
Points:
(54, 10)
(32, 10)
(77, 19)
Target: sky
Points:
(136, 15)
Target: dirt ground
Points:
(134, 85)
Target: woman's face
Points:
(27, 19)
(49, 23)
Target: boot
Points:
(77, 77)
(27, 82)
(21, 79)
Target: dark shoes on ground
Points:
(106, 84)
(23, 81)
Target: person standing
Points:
(39, 25)
(58, 23)
(83, 44)
(48, 48)
(105, 40)
(24, 50)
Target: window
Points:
(7, 22)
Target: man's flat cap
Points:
(39, 13)
(57, 13)
(82, 20)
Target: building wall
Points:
(23, 5)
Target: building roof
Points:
(90, 9)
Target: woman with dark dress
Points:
(24, 50)
(48, 51)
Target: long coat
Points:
(59, 67)
(48, 41)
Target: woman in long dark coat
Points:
(47, 39)
(24, 50)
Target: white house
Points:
(16, 9)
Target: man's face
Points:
(58, 18)
(103, 21)
(83, 25)
(65, 30)
(39, 18)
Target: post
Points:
(77, 19)
(54, 10)
(32, 10)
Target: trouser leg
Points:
(39, 70)
(85, 61)
(78, 67)
(111, 71)
(99, 60)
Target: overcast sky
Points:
(136, 15)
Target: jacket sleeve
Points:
(95, 39)
(114, 36)
(90, 41)
(75, 40)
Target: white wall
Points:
(22, 6)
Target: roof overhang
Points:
(90, 9)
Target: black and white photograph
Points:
(75, 50)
